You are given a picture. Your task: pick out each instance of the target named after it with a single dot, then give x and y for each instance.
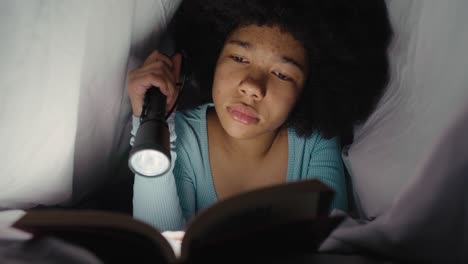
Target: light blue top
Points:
(169, 201)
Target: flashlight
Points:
(150, 155)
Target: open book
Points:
(271, 222)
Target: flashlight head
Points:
(150, 155)
(149, 162)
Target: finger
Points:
(177, 63)
(146, 81)
(172, 98)
(158, 67)
(139, 82)
(170, 90)
(167, 87)
(158, 56)
(143, 82)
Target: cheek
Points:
(286, 98)
(283, 104)
(216, 88)
(222, 82)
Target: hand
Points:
(158, 70)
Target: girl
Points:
(287, 79)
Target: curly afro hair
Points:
(346, 42)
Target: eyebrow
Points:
(248, 46)
(293, 62)
(243, 44)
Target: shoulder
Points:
(195, 114)
(190, 127)
(191, 132)
(315, 142)
(191, 118)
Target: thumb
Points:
(177, 63)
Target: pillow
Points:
(427, 222)
(64, 108)
(409, 162)
(427, 91)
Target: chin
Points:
(238, 131)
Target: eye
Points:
(238, 59)
(282, 76)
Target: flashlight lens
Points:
(149, 162)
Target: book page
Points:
(175, 240)
(7, 232)
(116, 237)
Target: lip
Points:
(244, 114)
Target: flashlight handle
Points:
(154, 106)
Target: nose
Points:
(252, 87)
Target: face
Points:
(259, 76)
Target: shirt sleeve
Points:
(155, 199)
(326, 164)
